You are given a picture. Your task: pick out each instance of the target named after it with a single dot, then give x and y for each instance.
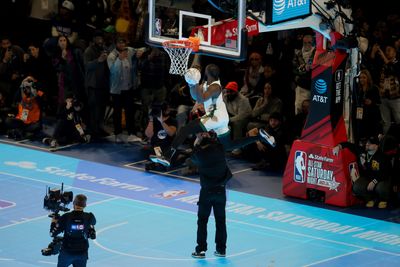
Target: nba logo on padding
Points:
(353, 171)
(300, 161)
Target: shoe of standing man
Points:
(199, 255)
(219, 253)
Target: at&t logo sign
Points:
(287, 9)
(281, 5)
(320, 88)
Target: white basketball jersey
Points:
(216, 117)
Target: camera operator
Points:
(70, 127)
(27, 121)
(209, 155)
(160, 129)
(78, 227)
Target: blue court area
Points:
(147, 219)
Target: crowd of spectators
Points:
(79, 56)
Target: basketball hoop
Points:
(179, 52)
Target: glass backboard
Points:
(219, 23)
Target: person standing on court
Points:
(209, 156)
(78, 227)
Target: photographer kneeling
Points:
(78, 227)
(160, 130)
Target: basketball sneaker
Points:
(161, 160)
(199, 255)
(164, 159)
(219, 253)
(266, 137)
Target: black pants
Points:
(119, 102)
(77, 260)
(14, 123)
(211, 199)
(381, 192)
(97, 102)
(195, 126)
(65, 132)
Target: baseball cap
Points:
(68, 5)
(232, 86)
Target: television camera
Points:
(56, 201)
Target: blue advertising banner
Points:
(284, 10)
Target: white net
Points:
(179, 52)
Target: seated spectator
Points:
(373, 183)
(265, 106)
(160, 130)
(269, 157)
(252, 75)
(239, 109)
(69, 127)
(27, 122)
(278, 78)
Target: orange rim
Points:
(192, 43)
(178, 44)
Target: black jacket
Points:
(212, 165)
(76, 226)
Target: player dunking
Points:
(216, 118)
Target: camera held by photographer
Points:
(78, 227)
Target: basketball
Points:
(192, 76)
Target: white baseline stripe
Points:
(336, 257)
(136, 162)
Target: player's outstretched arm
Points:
(196, 91)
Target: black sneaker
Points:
(266, 137)
(219, 254)
(199, 255)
